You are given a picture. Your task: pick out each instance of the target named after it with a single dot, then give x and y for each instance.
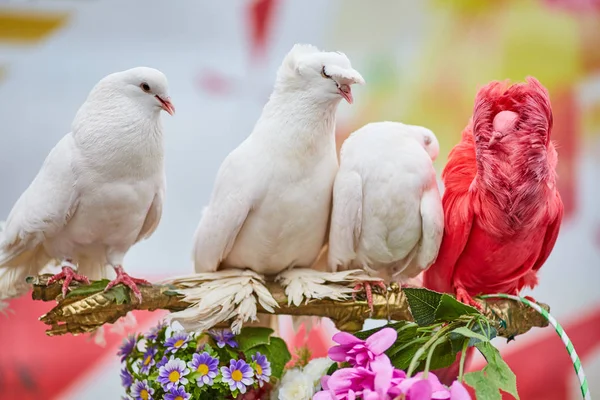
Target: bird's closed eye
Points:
(145, 87)
(324, 74)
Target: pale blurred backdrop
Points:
(423, 62)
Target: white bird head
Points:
(326, 76)
(147, 87)
(426, 138)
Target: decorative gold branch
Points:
(85, 312)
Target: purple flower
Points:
(238, 375)
(360, 353)
(263, 368)
(173, 373)
(126, 378)
(177, 394)
(148, 360)
(153, 334)
(142, 391)
(162, 362)
(178, 341)
(207, 368)
(127, 347)
(223, 337)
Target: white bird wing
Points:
(222, 220)
(346, 219)
(43, 209)
(432, 220)
(154, 213)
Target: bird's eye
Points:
(145, 87)
(427, 140)
(324, 74)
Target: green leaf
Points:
(119, 294)
(484, 388)
(396, 326)
(277, 353)
(171, 293)
(449, 309)
(496, 375)
(87, 290)
(423, 304)
(253, 336)
(401, 359)
(468, 333)
(334, 367)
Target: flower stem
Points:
(415, 360)
(463, 357)
(428, 362)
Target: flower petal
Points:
(382, 340)
(459, 392)
(323, 395)
(420, 390)
(346, 338)
(338, 353)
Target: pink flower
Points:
(350, 383)
(417, 388)
(361, 353)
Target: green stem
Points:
(415, 360)
(430, 355)
(463, 357)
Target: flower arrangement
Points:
(176, 365)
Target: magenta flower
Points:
(361, 353)
(346, 384)
(417, 388)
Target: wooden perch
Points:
(80, 313)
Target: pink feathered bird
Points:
(502, 209)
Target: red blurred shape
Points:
(260, 17)
(35, 366)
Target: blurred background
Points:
(423, 62)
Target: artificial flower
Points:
(141, 390)
(127, 347)
(206, 367)
(173, 373)
(295, 385)
(358, 352)
(148, 360)
(126, 378)
(223, 337)
(263, 368)
(179, 340)
(177, 393)
(238, 375)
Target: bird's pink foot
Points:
(68, 275)
(124, 278)
(464, 297)
(368, 288)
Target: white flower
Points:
(316, 368)
(295, 385)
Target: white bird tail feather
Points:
(305, 283)
(220, 296)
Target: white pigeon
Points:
(271, 201)
(387, 213)
(99, 191)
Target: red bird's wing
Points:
(458, 176)
(551, 234)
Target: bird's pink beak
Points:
(346, 92)
(166, 104)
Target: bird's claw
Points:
(464, 297)
(69, 275)
(124, 278)
(368, 288)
